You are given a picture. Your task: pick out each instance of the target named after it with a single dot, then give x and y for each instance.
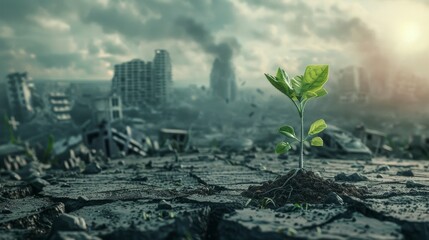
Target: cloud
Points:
(87, 37)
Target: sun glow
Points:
(411, 34)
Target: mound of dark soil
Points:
(304, 187)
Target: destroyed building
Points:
(59, 106)
(108, 108)
(19, 90)
(175, 138)
(114, 143)
(139, 82)
(340, 144)
(373, 139)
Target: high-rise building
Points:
(222, 80)
(19, 95)
(140, 83)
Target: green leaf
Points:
(309, 94)
(317, 127)
(321, 92)
(281, 82)
(297, 85)
(288, 131)
(317, 142)
(315, 77)
(282, 147)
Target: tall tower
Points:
(162, 76)
(222, 80)
(140, 83)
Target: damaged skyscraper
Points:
(222, 80)
(139, 82)
(19, 95)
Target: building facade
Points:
(108, 108)
(19, 89)
(139, 82)
(60, 106)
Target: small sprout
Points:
(300, 89)
(248, 202)
(291, 232)
(146, 216)
(266, 201)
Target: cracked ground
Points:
(199, 197)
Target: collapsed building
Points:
(19, 95)
(340, 144)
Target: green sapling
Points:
(300, 89)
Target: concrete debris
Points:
(333, 198)
(73, 235)
(68, 222)
(354, 177)
(38, 184)
(406, 173)
(343, 145)
(413, 184)
(92, 168)
(164, 205)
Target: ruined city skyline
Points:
(83, 40)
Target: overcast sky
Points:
(83, 39)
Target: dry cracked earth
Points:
(199, 197)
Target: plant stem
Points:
(301, 155)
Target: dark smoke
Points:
(222, 76)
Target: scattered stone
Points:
(92, 168)
(333, 198)
(67, 222)
(379, 176)
(14, 176)
(121, 163)
(38, 184)
(140, 179)
(383, 168)
(406, 173)
(164, 205)
(69, 235)
(413, 184)
(83, 198)
(354, 177)
(6, 211)
(65, 185)
(148, 165)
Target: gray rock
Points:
(121, 163)
(92, 168)
(383, 168)
(14, 176)
(333, 198)
(69, 235)
(406, 173)
(67, 222)
(354, 177)
(39, 184)
(379, 176)
(164, 205)
(6, 211)
(413, 184)
(83, 198)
